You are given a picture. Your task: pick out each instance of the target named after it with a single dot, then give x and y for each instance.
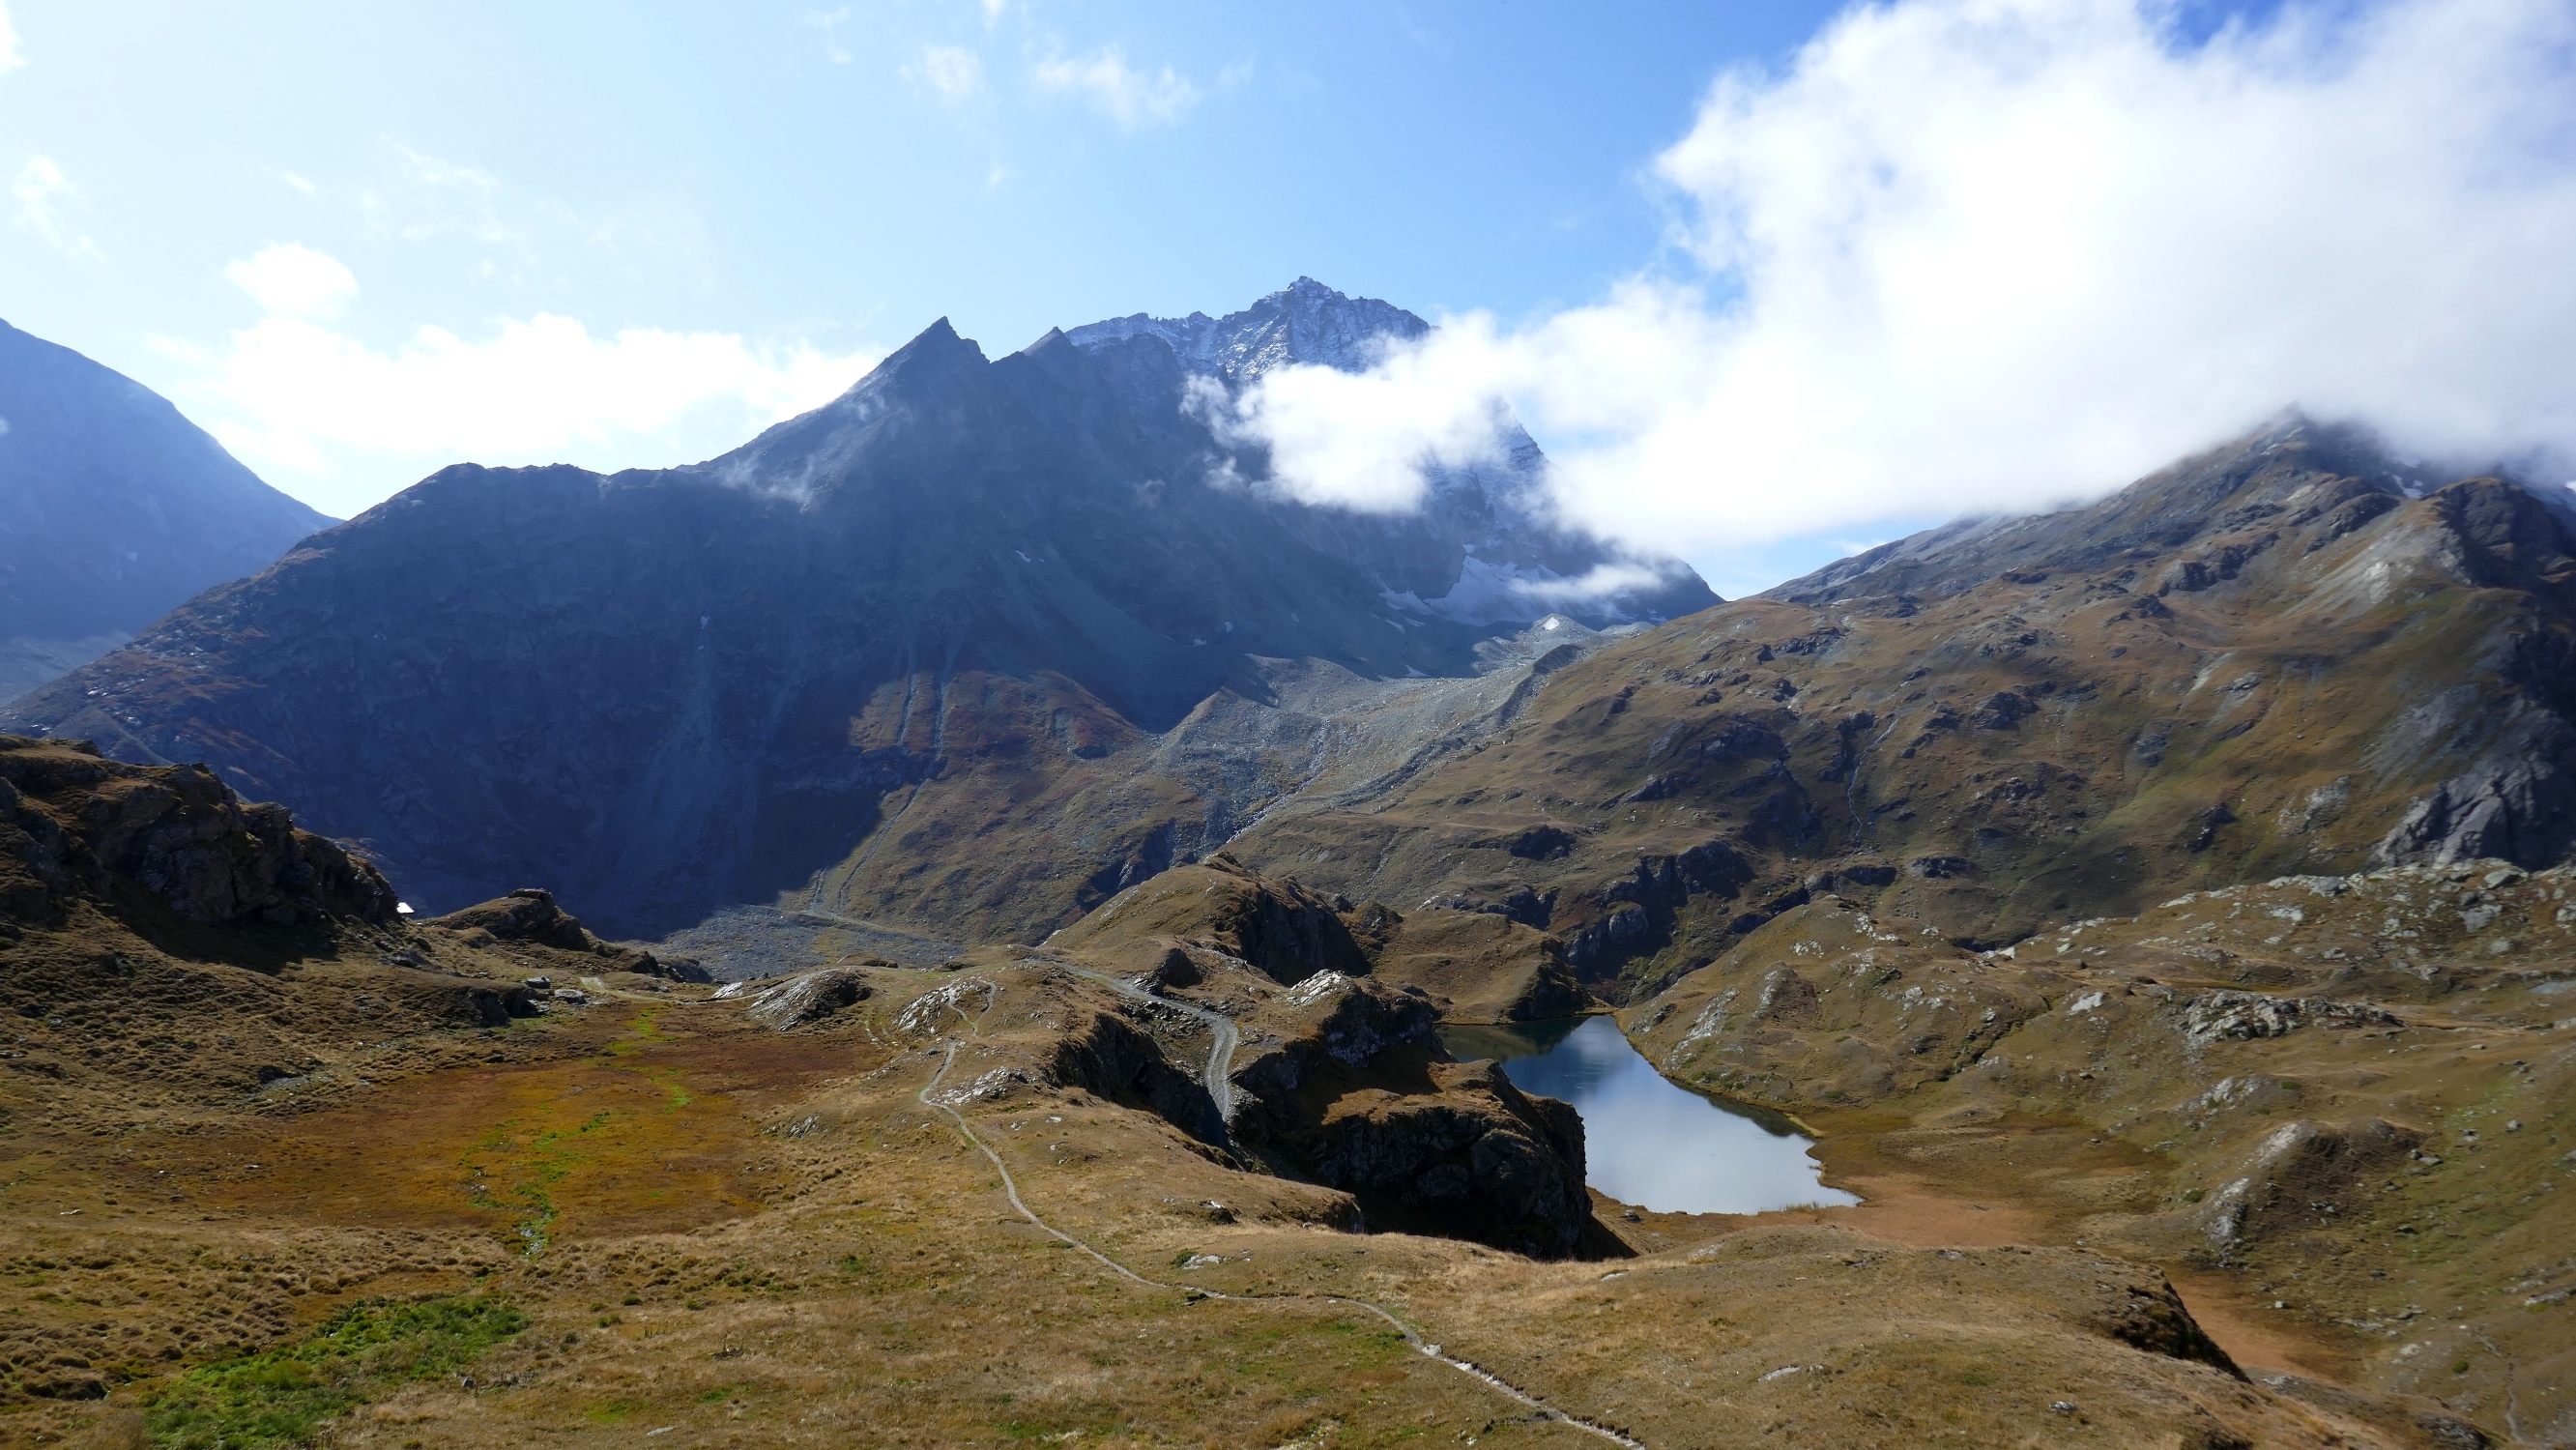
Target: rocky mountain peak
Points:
(944, 595)
(1303, 322)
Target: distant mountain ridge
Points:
(113, 510)
(916, 655)
(2294, 654)
(1305, 322)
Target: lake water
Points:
(1646, 1140)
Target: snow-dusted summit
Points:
(1513, 560)
(1304, 322)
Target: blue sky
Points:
(833, 175)
(361, 242)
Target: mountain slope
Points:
(2271, 658)
(873, 658)
(114, 509)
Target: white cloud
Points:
(952, 72)
(1361, 441)
(10, 56)
(344, 425)
(1967, 255)
(41, 189)
(1132, 98)
(294, 280)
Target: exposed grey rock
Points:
(807, 997)
(2216, 1016)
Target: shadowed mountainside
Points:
(113, 510)
(919, 655)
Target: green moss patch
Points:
(281, 1397)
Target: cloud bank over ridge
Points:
(1974, 255)
(342, 424)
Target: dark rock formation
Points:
(1477, 1159)
(1365, 1100)
(528, 914)
(2300, 1171)
(2152, 1317)
(76, 825)
(1108, 1054)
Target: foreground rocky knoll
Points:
(232, 1116)
(2287, 655)
(968, 649)
(171, 946)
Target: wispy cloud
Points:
(42, 190)
(951, 72)
(1970, 255)
(10, 56)
(428, 196)
(343, 423)
(1135, 99)
(830, 22)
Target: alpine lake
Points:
(1647, 1140)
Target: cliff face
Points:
(113, 510)
(868, 658)
(75, 826)
(2287, 655)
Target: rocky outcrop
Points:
(1475, 1159)
(1110, 1055)
(2150, 1316)
(1273, 925)
(529, 916)
(76, 825)
(1336, 1021)
(805, 997)
(2217, 1016)
(1365, 1100)
(1479, 966)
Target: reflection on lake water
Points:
(1646, 1140)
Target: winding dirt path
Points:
(929, 1096)
(1220, 1052)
